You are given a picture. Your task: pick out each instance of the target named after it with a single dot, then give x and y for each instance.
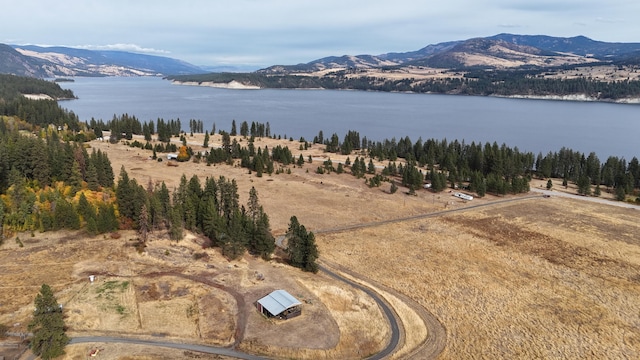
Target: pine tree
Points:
(206, 140)
(371, 168)
(234, 244)
(175, 232)
(85, 209)
(584, 185)
(233, 128)
(393, 188)
(262, 242)
(47, 325)
(124, 194)
(301, 247)
(106, 219)
(92, 177)
(75, 179)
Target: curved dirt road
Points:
(391, 316)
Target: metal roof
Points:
(278, 301)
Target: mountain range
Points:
(37, 61)
(500, 51)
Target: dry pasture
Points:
(536, 278)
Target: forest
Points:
(49, 180)
(475, 82)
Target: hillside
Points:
(36, 61)
(502, 51)
(501, 65)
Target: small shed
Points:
(279, 304)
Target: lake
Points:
(531, 125)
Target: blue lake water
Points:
(531, 125)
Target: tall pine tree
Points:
(47, 325)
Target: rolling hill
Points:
(502, 51)
(37, 61)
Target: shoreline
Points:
(573, 97)
(235, 85)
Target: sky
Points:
(261, 33)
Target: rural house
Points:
(279, 304)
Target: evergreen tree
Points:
(371, 168)
(620, 193)
(301, 246)
(124, 194)
(262, 241)
(233, 128)
(47, 325)
(92, 177)
(85, 209)
(75, 179)
(175, 232)
(206, 140)
(244, 129)
(106, 219)
(584, 185)
(234, 244)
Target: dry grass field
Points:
(545, 278)
(533, 278)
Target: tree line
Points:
(12, 87)
(474, 82)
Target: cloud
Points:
(609, 20)
(509, 26)
(124, 47)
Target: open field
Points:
(535, 278)
(547, 278)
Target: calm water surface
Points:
(531, 125)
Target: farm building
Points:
(279, 304)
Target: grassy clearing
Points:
(508, 285)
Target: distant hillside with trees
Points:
(478, 82)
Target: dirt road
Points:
(191, 347)
(587, 198)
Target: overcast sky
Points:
(261, 33)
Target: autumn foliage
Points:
(183, 154)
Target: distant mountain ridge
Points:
(495, 52)
(37, 61)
